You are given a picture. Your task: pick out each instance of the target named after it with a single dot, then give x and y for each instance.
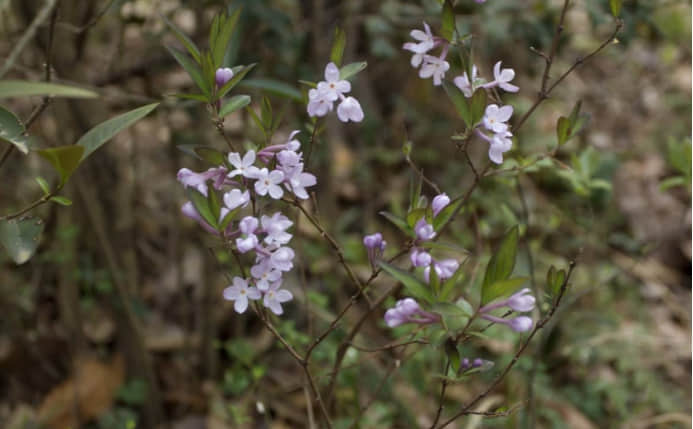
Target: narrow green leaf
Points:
(352, 69)
(100, 134)
(44, 185)
(448, 18)
(12, 131)
(197, 97)
(414, 216)
(184, 39)
(221, 42)
(237, 77)
(275, 87)
(460, 102)
(20, 88)
(413, 286)
(615, 7)
(214, 203)
(63, 201)
(478, 105)
(449, 285)
(501, 288)
(65, 159)
(338, 43)
(398, 222)
(673, 182)
(236, 102)
(562, 130)
(201, 204)
(20, 237)
(266, 115)
(193, 70)
(503, 261)
(415, 186)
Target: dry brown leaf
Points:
(85, 396)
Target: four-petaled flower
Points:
(434, 66)
(425, 44)
(495, 117)
(268, 182)
(333, 87)
(240, 293)
(503, 78)
(244, 167)
(274, 297)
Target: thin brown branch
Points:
(466, 409)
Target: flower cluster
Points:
(495, 117)
(431, 65)
(267, 236)
(521, 302)
(444, 268)
(407, 310)
(321, 99)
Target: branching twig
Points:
(466, 409)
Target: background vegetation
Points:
(618, 354)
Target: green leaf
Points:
(562, 130)
(414, 216)
(197, 97)
(184, 39)
(275, 87)
(446, 213)
(673, 182)
(501, 288)
(502, 262)
(220, 40)
(44, 185)
(615, 7)
(193, 69)
(20, 88)
(398, 222)
(554, 280)
(448, 18)
(236, 102)
(106, 130)
(449, 285)
(237, 77)
(20, 237)
(63, 201)
(65, 159)
(352, 69)
(453, 310)
(210, 155)
(478, 105)
(460, 102)
(412, 285)
(201, 204)
(12, 131)
(337, 51)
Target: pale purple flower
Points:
(292, 143)
(407, 310)
(520, 301)
(274, 297)
(424, 230)
(495, 117)
(268, 182)
(282, 259)
(503, 78)
(499, 144)
(439, 203)
(465, 84)
(318, 103)
(289, 159)
(373, 241)
(445, 269)
(521, 324)
(189, 178)
(246, 244)
(350, 110)
(275, 227)
(297, 181)
(244, 167)
(333, 87)
(434, 66)
(264, 274)
(235, 198)
(420, 258)
(240, 292)
(222, 76)
(426, 42)
(248, 225)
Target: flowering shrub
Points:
(244, 200)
